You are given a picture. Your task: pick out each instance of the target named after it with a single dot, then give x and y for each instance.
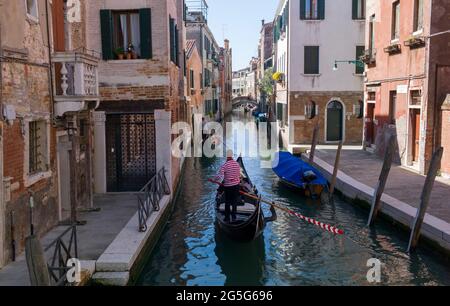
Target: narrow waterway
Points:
(291, 252)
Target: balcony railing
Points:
(76, 80)
(369, 56)
(150, 196)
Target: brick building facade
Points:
(142, 71)
(308, 90)
(408, 68)
(29, 174)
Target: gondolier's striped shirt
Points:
(230, 172)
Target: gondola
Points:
(250, 220)
(300, 176)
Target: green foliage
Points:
(267, 82)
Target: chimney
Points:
(263, 22)
(227, 44)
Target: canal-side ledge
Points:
(434, 229)
(123, 260)
(116, 265)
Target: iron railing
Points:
(150, 196)
(64, 250)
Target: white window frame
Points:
(35, 10)
(32, 178)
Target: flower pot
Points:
(120, 56)
(129, 55)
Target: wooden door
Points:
(416, 135)
(335, 113)
(370, 123)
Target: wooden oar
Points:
(322, 225)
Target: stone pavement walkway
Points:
(402, 184)
(93, 238)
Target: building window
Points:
(310, 110)
(359, 9)
(372, 35)
(358, 109)
(127, 34)
(418, 15)
(312, 9)
(359, 65)
(416, 97)
(395, 20)
(32, 8)
(392, 106)
(311, 60)
(124, 31)
(174, 44)
(191, 79)
(371, 96)
(37, 147)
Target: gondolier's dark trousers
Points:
(231, 200)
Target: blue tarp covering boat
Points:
(292, 170)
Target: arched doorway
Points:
(335, 121)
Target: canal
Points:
(291, 252)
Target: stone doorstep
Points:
(121, 254)
(111, 278)
(433, 228)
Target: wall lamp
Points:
(358, 63)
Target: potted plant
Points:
(119, 53)
(131, 54)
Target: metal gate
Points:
(131, 154)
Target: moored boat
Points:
(250, 220)
(295, 173)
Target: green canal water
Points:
(192, 252)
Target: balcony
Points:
(76, 81)
(369, 56)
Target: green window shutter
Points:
(303, 9)
(106, 24)
(172, 39)
(321, 9)
(354, 9)
(311, 60)
(177, 51)
(145, 20)
(359, 67)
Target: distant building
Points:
(240, 88)
(265, 61)
(226, 77)
(308, 91)
(194, 81)
(197, 29)
(407, 87)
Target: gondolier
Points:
(230, 175)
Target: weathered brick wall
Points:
(303, 129)
(25, 87)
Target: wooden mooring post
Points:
(314, 143)
(36, 262)
(425, 199)
(379, 189)
(336, 169)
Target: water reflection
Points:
(242, 263)
(291, 252)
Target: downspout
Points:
(50, 69)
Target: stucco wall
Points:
(337, 36)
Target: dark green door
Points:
(335, 114)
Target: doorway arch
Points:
(335, 121)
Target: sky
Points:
(240, 22)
